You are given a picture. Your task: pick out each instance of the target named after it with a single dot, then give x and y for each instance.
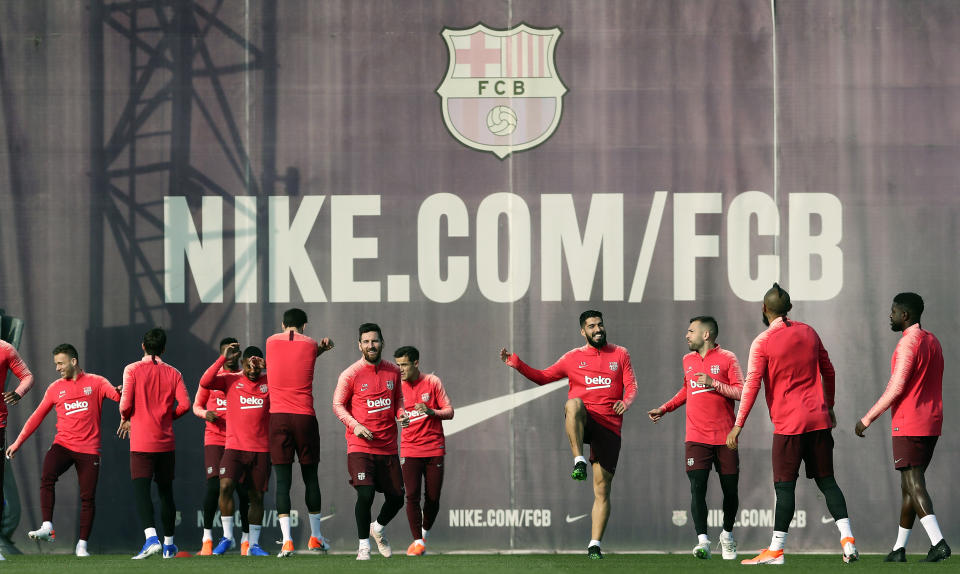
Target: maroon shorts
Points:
(911, 451)
(701, 456)
(294, 434)
(814, 449)
(604, 444)
(245, 467)
(381, 471)
(212, 453)
(156, 465)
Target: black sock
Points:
(391, 506)
(698, 498)
(141, 494)
(836, 504)
(211, 501)
(365, 496)
(284, 474)
(731, 499)
(168, 509)
(311, 483)
(786, 503)
(244, 500)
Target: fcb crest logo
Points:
(501, 92)
(263, 388)
(679, 517)
(88, 390)
(613, 365)
(425, 397)
(714, 369)
(389, 385)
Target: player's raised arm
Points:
(20, 370)
(554, 372)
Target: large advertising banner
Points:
(472, 176)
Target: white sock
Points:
(843, 525)
(207, 535)
(930, 524)
(903, 535)
(285, 528)
(419, 541)
(424, 533)
(150, 532)
(254, 537)
(365, 543)
(701, 538)
(227, 526)
(376, 526)
(168, 540)
(724, 535)
(315, 526)
(593, 543)
(81, 544)
(46, 525)
(778, 540)
(580, 458)
(246, 537)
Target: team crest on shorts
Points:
(361, 475)
(501, 92)
(88, 390)
(209, 470)
(613, 365)
(425, 397)
(679, 517)
(690, 462)
(223, 470)
(389, 385)
(714, 369)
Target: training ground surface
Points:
(453, 564)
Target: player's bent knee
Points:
(575, 405)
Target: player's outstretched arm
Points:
(554, 372)
(324, 345)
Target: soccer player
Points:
(246, 459)
(153, 397)
(78, 399)
(368, 401)
(709, 399)
(798, 381)
(421, 444)
(211, 405)
(915, 393)
(293, 422)
(602, 387)
(10, 360)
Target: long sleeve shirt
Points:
(215, 432)
(915, 388)
(599, 377)
(370, 395)
(424, 436)
(709, 407)
(798, 378)
(153, 396)
(248, 407)
(10, 360)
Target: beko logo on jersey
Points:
(377, 405)
(251, 402)
(597, 382)
(221, 402)
(76, 407)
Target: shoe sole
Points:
(148, 553)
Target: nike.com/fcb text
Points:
(500, 517)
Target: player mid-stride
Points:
(602, 387)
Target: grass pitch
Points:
(454, 564)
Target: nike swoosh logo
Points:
(825, 520)
(898, 460)
(476, 413)
(575, 518)
(327, 517)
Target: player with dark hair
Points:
(293, 422)
(914, 394)
(602, 387)
(710, 400)
(211, 406)
(78, 399)
(153, 397)
(246, 458)
(422, 446)
(368, 401)
(10, 360)
(798, 380)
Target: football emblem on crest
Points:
(613, 365)
(714, 369)
(389, 385)
(88, 390)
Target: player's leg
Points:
(413, 473)
(575, 422)
(227, 509)
(55, 463)
(168, 507)
(600, 514)
(818, 460)
(361, 469)
(311, 483)
(88, 473)
(698, 510)
(282, 449)
(243, 505)
(433, 484)
(729, 484)
(211, 495)
(389, 480)
(923, 506)
(259, 477)
(787, 454)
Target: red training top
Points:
(248, 404)
(370, 395)
(215, 433)
(709, 407)
(798, 378)
(150, 389)
(79, 404)
(10, 359)
(424, 436)
(915, 389)
(599, 377)
(290, 359)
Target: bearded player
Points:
(602, 387)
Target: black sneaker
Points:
(593, 552)
(580, 473)
(937, 553)
(898, 555)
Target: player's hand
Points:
(833, 418)
(504, 354)
(732, 437)
(859, 429)
(123, 431)
(704, 379)
(258, 362)
(362, 432)
(423, 408)
(324, 345)
(655, 414)
(619, 407)
(211, 416)
(11, 397)
(232, 352)
(12, 450)
(404, 420)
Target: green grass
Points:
(454, 564)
